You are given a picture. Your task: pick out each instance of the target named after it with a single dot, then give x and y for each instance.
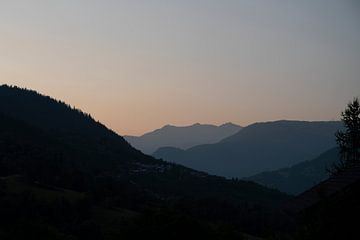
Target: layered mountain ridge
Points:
(259, 147)
(182, 137)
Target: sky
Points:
(139, 65)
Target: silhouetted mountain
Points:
(301, 176)
(182, 137)
(328, 210)
(258, 147)
(62, 175)
(97, 145)
(80, 140)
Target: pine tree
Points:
(349, 139)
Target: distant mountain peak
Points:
(167, 126)
(182, 137)
(229, 124)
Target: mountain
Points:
(301, 176)
(328, 210)
(70, 137)
(64, 175)
(259, 147)
(182, 137)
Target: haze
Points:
(138, 65)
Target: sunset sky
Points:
(138, 65)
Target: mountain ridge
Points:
(258, 147)
(182, 137)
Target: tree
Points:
(349, 139)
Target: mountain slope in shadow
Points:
(71, 138)
(301, 176)
(51, 150)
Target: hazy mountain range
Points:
(259, 147)
(182, 137)
(301, 176)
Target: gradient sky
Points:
(138, 65)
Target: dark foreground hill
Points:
(329, 209)
(182, 137)
(65, 176)
(301, 176)
(257, 148)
